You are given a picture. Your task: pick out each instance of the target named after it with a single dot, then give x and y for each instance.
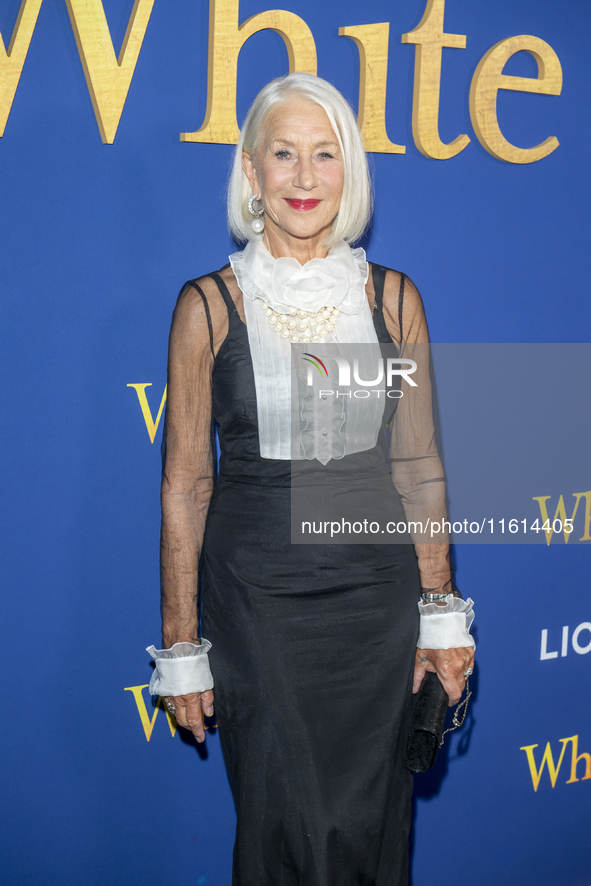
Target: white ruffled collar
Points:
(337, 281)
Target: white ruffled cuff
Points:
(446, 627)
(182, 669)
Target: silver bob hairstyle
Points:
(356, 202)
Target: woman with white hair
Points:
(313, 648)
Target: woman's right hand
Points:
(189, 710)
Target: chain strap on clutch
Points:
(459, 713)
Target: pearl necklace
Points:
(303, 326)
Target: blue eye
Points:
(282, 153)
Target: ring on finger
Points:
(468, 672)
(170, 707)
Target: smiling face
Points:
(297, 171)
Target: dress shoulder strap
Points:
(400, 305)
(194, 285)
(378, 273)
(225, 294)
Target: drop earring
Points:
(258, 222)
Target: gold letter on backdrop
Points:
(430, 40)
(226, 40)
(560, 514)
(489, 78)
(108, 78)
(151, 425)
(11, 62)
(547, 760)
(576, 758)
(372, 42)
(143, 711)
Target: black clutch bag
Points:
(428, 721)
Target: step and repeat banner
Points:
(118, 121)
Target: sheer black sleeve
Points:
(199, 325)
(417, 470)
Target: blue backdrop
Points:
(96, 242)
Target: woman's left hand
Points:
(450, 666)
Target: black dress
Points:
(312, 656)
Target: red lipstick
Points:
(303, 205)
